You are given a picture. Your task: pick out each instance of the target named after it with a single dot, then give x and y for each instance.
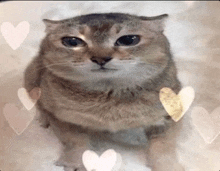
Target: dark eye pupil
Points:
(128, 40)
(72, 41)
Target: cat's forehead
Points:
(99, 19)
(100, 26)
(103, 22)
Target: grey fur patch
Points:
(135, 136)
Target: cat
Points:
(100, 77)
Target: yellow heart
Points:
(176, 105)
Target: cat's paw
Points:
(70, 167)
(74, 169)
(71, 159)
(43, 121)
(170, 167)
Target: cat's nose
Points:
(101, 60)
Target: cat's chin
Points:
(104, 70)
(120, 88)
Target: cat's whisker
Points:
(57, 63)
(51, 65)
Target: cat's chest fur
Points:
(96, 110)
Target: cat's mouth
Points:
(103, 69)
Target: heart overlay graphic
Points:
(18, 119)
(176, 105)
(15, 36)
(29, 99)
(105, 162)
(208, 125)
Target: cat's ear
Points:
(155, 23)
(50, 25)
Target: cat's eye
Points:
(128, 40)
(73, 42)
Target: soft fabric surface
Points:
(194, 33)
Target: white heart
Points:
(105, 162)
(18, 119)
(15, 36)
(25, 99)
(208, 125)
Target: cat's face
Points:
(104, 51)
